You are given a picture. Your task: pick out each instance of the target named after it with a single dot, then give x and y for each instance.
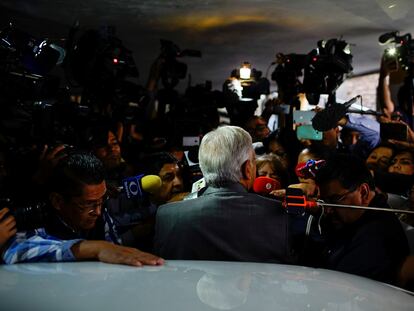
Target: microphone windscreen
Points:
(265, 185)
(299, 169)
(328, 118)
(151, 183)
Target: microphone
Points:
(296, 203)
(309, 168)
(328, 118)
(264, 185)
(136, 186)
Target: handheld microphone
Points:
(309, 168)
(136, 186)
(296, 203)
(265, 185)
(328, 118)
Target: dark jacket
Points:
(374, 246)
(224, 224)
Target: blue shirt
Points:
(369, 130)
(39, 246)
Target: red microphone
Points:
(265, 185)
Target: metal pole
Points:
(366, 207)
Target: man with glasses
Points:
(365, 242)
(77, 225)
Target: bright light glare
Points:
(245, 73)
(391, 51)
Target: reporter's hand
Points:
(7, 226)
(115, 254)
(280, 193)
(309, 188)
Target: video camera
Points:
(323, 69)
(400, 48)
(25, 62)
(173, 70)
(28, 217)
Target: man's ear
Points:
(365, 194)
(56, 200)
(247, 170)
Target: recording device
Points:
(392, 130)
(137, 186)
(329, 117)
(27, 217)
(309, 168)
(400, 48)
(37, 56)
(190, 141)
(322, 70)
(296, 203)
(305, 130)
(172, 70)
(264, 185)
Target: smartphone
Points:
(391, 130)
(305, 130)
(308, 132)
(303, 117)
(189, 141)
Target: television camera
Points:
(321, 71)
(172, 70)
(400, 48)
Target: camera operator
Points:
(390, 74)
(77, 225)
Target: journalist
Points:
(77, 225)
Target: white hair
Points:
(222, 154)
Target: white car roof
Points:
(191, 285)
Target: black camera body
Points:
(403, 45)
(27, 217)
(173, 70)
(323, 69)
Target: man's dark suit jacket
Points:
(223, 224)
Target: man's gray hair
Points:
(222, 154)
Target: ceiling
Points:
(227, 32)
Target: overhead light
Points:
(245, 71)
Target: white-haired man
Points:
(226, 222)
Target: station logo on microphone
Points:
(132, 186)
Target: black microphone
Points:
(328, 118)
(387, 37)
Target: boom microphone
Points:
(265, 185)
(328, 118)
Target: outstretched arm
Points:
(111, 253)
(37, 246)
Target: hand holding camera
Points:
(7, 226)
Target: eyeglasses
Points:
(91, 206)
(337, 198)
